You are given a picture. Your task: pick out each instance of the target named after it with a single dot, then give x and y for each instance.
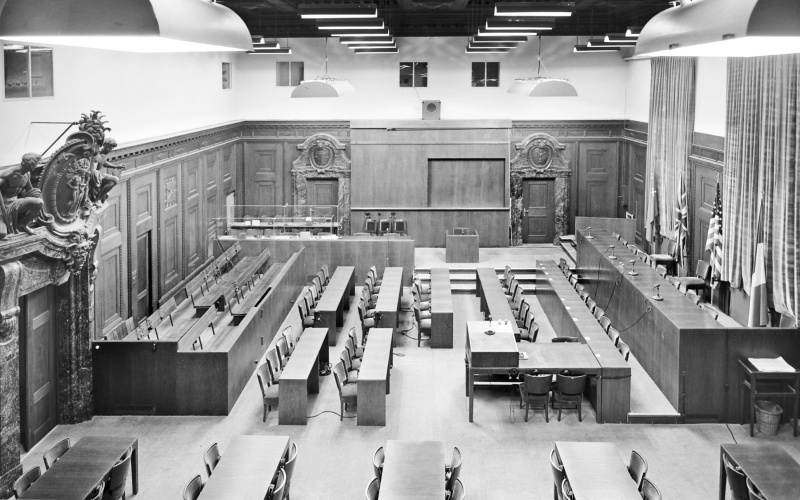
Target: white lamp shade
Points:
(127, 25)
(323, 88)
(543, 87)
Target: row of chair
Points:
(526, 320)
(367, 301)
(535, 390)
(637, 468)
(742, 488)
(345, 373)
(311, 296)
(269, 372)
(278, 489)
(454, 488)
(110, 488)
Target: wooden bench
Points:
(189, 339)
(240, 308)
(335, 299)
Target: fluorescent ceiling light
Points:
(469, 50)
(126, 25)
(361, 32)
(727, 28)
(377, 50)
(518, 32)
(620, 37)
(534, 9)
(368, 46)
(599, 42)
(491, 45)
(312, 11)
(500, 38)
(354, 24)
(584, 48)
(365, 40)
(267, 44)
(495, 23)
(270, 51)
(633, 31)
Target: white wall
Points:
(142, 95)
(598, 78)
(710, 106)
(637, 90)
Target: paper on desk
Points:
(771, 365)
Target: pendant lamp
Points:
(540, 86)
(126, 25)
(323, 86)
(723, 28)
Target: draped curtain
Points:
(669, 138)
(761, 143)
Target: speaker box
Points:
(431, 110)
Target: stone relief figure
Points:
(20, 202)
(100, 183)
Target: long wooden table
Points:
(246, 469)
(84, 466)
(374, 377)
(335, 299)
(441, 309)
(413, 470)
(301, 376)
(773, 471)
(493, 300)
(388, 303)
(596, 471)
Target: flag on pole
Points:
(714, 239)
(758, 284)
(680, 253)
(653, 229)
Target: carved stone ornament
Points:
(540, 152)
(322, 152)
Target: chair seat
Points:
(308, 321)
(352, 377)
(425, 315)
(693, 282)
(425, 306)
(661, 257)
(356, 364)
(370, 313)
(349, 393)
(368, 322)
(425, 324)
(271, 395)
(359, 352)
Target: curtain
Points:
(761, 143)
(669, 138)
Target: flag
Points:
(654, 223)
(681, 226)
(758, 284)
(714, 239)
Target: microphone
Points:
(589, 233)
(612, 256)
(657, 293)
(633, 272)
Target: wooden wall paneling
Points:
(194, 228)
(111, 285)
(229, 168)
(263, 174)
(143, 244)
(478, 183)
(171, 269)
(597, 179)
(212, 200)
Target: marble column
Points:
(10, 467)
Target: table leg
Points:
(752, 412)
(722, 485)
(471, 389)
(796, 396)
(135, 467)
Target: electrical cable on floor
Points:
(329, 411)
(732, 436)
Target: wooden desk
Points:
(413, 470)
(790, 390)
(493, 299)
(82, 467)
(374, 377)
(247, 467)
(557, 357)
(461, 248)
(301, 376)
(441, 309)
(388, 303)
(772, 470)
(335, 299)
(596, 471)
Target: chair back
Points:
(353, 335)
(524, 308)
(736, 480)
(558, 474)
(274, 364)
(753, 491)
(211, 456)
(289, 337)
(377, 462)
(605, 323)
(591, 304)
(371, 492)
(455, 468)
(661, 270)
(340, 376)
(613, 334)
(288, 467)
(280, 486)
(537, 385)
(650, 491)
(325, 271)
(25, 481)
(567, 490)
(54, 453)
(282, 347)
(565, 340)
(703, 270)
(264, 380)
(345, 358)
(458, 491)
(193, 488)
(599, 313)
(637, 468)
(115, 489)
(571, 384)
(624, 349)
(97, 492)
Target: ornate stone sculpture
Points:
(20, 202)
(100, 184)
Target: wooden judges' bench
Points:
(692, 358)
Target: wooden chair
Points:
(530, 330)
(25, 481)
(566, 489)
(613, 334)
(522, 312)
(373, 487)
(737, 480)
(696, 299)
(605, 323)
(599, 313)
(359, 349)
(753, 491)
(569, 388)
(290, 339)
(366, 323)
(623, 349)
(421, 306)
(55, 452)
(423, 326)
(702, 275)
(193, 488)
(616, 236)
(280, 486)
(325, 273)
(558, 475)
(348, 393)
(211, 458)
(350, 347)
(350, 372)
(454, 471)
(288, 468)
(535, 390)
(274, 366)
(283, 351)
(377, 462)
(650, 491)
(115, 486)
(591, 304)
(305, 315)
(458, 491)
(373, 271)
(97, 492)
(665, 259)
(269, 390)
(637, 468)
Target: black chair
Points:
(701, 278)
(569, 389)
(535, 390)
(25, 481)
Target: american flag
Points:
(714, 239)
(681, 226)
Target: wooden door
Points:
(638, 157)
(194, 227)
(538, 211)
(263, 177)
(142, 287)
(323, 192)
(597, 180)
(705, 191)
(38, 366)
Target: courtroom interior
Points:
(399, 249)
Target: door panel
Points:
(638, 156)
(39, 402)
(143, 288)
(705, 190)
(263, 177)
(323, 192)
(195, 229)
(597, 180)
(143, 213)
(539, 209)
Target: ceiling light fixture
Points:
(599, 42)
(534, 9)
(495, 23)
(727, 28)
(315, 11)
(492, 45)
(633, 31)
(270, 51)
(540, 86)
(620, 37)
(376, 50)
(351, 24)
(518, 32)
(501, 38)
(323, 86)
(357, 40)
(587, 49)
(469, 50)
(126, 25)
(361, 32)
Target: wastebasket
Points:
(768, 417)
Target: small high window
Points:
(28, 71)
(290, 73)
(413, 74)
(486, 74)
